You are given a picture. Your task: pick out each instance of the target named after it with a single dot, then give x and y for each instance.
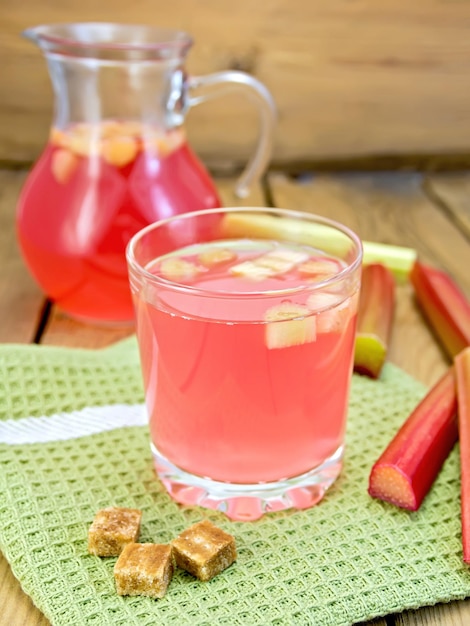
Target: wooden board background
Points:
(351, 78)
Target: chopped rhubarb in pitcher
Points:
(95, 186)
(248, 384)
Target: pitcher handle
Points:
(232, 79)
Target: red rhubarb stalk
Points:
(407, 468)
(444, 306)
(374, 319)
(462, 375)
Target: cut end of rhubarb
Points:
(374, 320)
(410, 463)
(387, 483)
(369, 355)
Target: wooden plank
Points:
(349, 78)
(454, 614)
(452, 192)
(20, 298)
(390, 208)
(16, 608)
(62, 330)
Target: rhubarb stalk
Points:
(398, 259)
(462, 374)
(374, 319)
(407, 468)
(444, 306)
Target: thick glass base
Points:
(248, 502)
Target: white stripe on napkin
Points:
(63, 426)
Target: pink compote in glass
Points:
(246, 322)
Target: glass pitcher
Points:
(117, 158)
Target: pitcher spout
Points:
(32, 34)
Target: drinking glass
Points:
(245, 320)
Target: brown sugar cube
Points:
(204, 550)
(144, 569)
(112, 529)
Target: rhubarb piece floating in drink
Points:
(63, 165)
(289, 324)
(216, 256)
(246, 361)
(178, 270)
(318, 268)
(333, 311)
(277, 261)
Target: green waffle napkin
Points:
(349, 559)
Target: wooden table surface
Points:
(430, 213)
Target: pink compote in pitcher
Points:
(117, 158)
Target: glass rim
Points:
(149, 277)
(164, 37)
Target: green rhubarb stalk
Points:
(398, 259)
(444, 306)
(374, 319)
(462, 374)
(409, 465)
